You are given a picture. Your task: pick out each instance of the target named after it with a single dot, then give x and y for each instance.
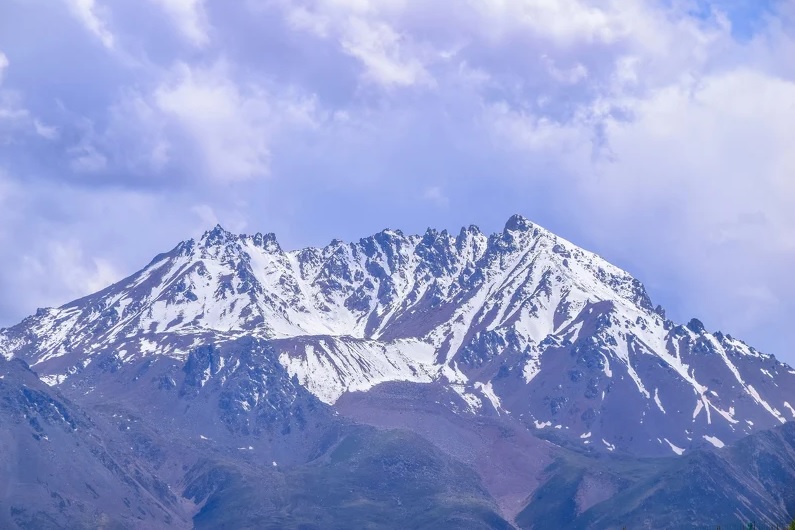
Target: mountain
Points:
(749, 481)
(520, 324)
(61, 468)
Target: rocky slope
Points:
(61, 468)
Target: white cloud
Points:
(364, 30)
(718, 151)
(206, 214)
(231, 123)
(564, 21)
(61, 271)
(137, 134)
(387, 59)
(12, 112)
(86, 159)
(230, 127)
(436, 195)
(47, 132)
(7, 189)
(190, 17)
(3, 65)
(567, 76)
(91, 16)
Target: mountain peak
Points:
(696, 326)
(217, 236)
(518, 223)
(267, 241)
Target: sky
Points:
(656, 133)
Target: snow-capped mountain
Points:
(519, 323)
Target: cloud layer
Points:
(655, 133)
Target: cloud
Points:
(45, 131)
(190, 17)
(382, 52)
(12, 112)
(190, 124)
(436, 195)
(568, 76)
(3, 65)
(92, 18)
(86, 159)
(231, 124)
(62, 270)
(389, 57)
(563, 21)
(654, 133)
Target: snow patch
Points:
(678, 450)
(714, 441)
(531, 369)
(53, 379)
(657, 400)
(488, 391)
(699, 406)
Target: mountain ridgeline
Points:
(502, 373)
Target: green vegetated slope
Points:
(370, 479)
(752, 480)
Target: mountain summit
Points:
(520, 324)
